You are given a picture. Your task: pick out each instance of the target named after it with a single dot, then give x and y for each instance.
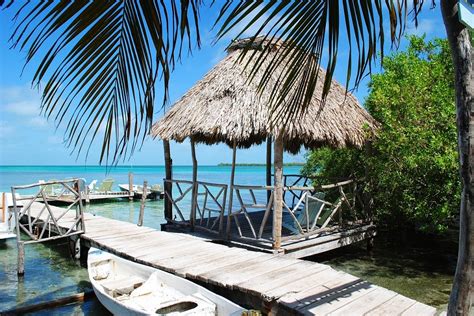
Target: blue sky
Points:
(26, 138)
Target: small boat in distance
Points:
(153, 192)
(128, 288)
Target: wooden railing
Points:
(210, 203)
(183, 189)
(210, 206)
(42, 224)
(248, 203)
(37, 224)
(307, 210)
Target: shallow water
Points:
(50, 274)
(420, 268)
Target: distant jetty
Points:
(289, 164)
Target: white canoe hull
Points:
(128, 288)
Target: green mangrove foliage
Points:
(411, 167)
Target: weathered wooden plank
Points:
(419, 309)
(326, 302)
(366, 303)
(210, 260)
(199, 272)
(394, 306)
(278, 279)
(232, 275)
(299, 294)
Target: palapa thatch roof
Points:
(225, 107)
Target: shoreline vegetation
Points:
(289, 164)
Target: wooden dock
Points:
(66, 199)
(272, 283)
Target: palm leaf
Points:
(309, 28)
(99, 62)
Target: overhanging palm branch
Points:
(311, 29)
(99, 61)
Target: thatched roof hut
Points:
(225, 107)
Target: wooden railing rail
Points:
(211, 206)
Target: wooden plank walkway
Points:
(275, 284)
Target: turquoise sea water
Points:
(418, 268)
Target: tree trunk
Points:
(168, 176)
(458, 36)
(278, 196)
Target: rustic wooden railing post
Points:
(192, 218)
(269, 167)
(130, 186)
(142, 205)
(231, 192)
(168, 187)
(4, 203)
(278, 197)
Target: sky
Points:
(27, 138)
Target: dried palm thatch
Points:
(225, 107)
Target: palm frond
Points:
(99, 62)
(310, 29)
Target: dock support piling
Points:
(130, 186)
(21, 258)
(142, 205)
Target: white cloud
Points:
(54, 140)
(251, 31)
(38, 121)
(22, 101)
(425, 26)
(5, 129)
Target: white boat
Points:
(154, 192)
(128, 288)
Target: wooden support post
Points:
(269, 167)
(142, 205)
(87, 192)
(77, 248)
(21, 258)
(192, 218)
(370, 243)
(20, 245)
(168, 186)
(278, 196)
(231, 192)
(4, 203)
(130, 186)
